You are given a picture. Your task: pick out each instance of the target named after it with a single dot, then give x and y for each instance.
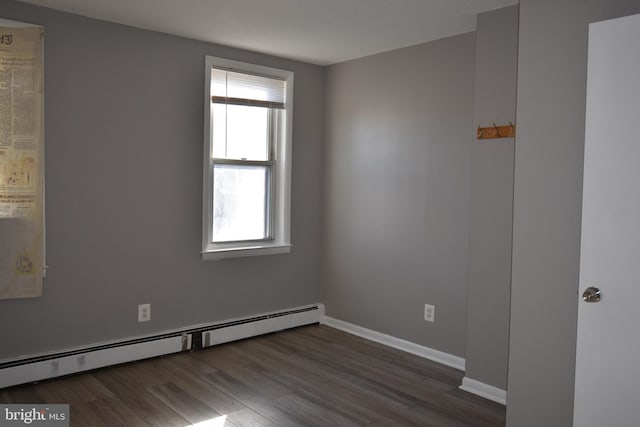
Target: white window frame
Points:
(281, 197)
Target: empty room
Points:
(318, 213)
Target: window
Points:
(247, 159)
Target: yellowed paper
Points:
(21, 162)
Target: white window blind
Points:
(229, 87)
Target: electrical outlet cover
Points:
(144, 312)
(429, 313)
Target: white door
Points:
(607, 389)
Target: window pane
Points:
(240, 132)
(240, 202)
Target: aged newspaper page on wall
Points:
(21, 162)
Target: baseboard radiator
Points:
(50, 365)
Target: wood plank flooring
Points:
(309, 376)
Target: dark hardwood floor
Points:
(309, 376)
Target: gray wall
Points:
(552, 63)
(397, 191)
(124, 134)
(491, 199)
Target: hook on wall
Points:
(495, 131)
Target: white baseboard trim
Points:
(70, 361)
(484, 390)
(400, 344)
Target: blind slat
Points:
(246, 102)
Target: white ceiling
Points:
(316, 31)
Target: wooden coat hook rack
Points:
(507, 131)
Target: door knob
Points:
(592, 294)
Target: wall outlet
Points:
(429, 313)
(144, 312)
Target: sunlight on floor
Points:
(213, 422)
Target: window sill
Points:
(237, 252)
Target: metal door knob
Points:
(592, 294)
